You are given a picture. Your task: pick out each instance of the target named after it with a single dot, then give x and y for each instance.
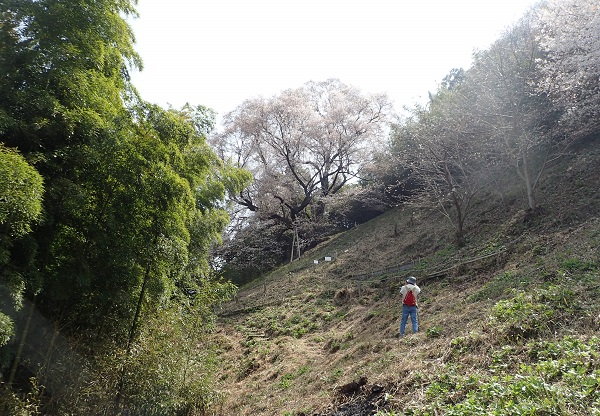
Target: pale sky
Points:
(220, 52)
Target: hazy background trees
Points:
(438, 146)
(569, 33)
(516, 108)
(521, 123)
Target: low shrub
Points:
(554, 378)
(533, 314)
(499, 286)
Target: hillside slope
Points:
(508, 325)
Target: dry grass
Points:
(292, 339)
(293, 374)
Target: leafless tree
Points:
(439, 145)
(519, 120)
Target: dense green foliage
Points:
(133, 200)
(21, 191)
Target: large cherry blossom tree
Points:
(302, 146)
(302, 143)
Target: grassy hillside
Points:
(509, 325)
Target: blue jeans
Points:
(406, 312)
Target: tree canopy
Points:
(302, 143)
(21, 190)
(570, 68)
(302, 146)
(133, 195)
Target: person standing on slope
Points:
(409, 293)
